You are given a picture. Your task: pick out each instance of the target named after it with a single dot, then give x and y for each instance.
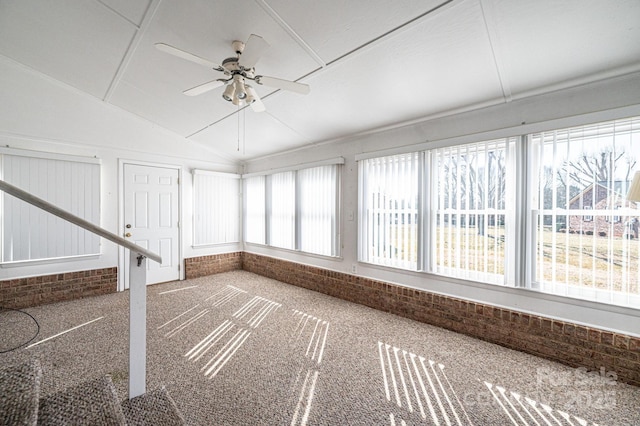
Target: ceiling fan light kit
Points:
(238, 69)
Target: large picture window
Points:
(546, 211)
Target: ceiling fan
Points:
(239, 70)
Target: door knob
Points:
(128, 234)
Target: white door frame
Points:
(123, 280)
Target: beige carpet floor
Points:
(240, 349)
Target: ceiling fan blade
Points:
(186, 55)
(253, 49)
(278, 83)
(202, 88)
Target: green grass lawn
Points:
(584, 260)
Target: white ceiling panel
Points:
(132, 10)
(333, 28)
(195, 26)
(370, 63)
(546, 42)
(78, 42)
(249, 135)
(440, 64)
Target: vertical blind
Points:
(299, 207)
(216, 208)
(317, 191)
(389, 188)
(255, 209)
(29, 233)
(470, 197)
(282, 212)
(586, 232)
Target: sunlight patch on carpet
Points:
(524, 410)
(175, 318)
(63, 332)
(223, 296)
(178, 289)
(318, 328)
(418, 386)
(187, 323)
(259, 307)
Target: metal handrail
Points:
(137, 287)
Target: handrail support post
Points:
(137, 324)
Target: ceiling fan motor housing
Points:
(231, 65)
(237, 47)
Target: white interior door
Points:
(151, 218)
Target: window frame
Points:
(522, 254)
(336, 235)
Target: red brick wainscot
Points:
(195, 267)
(567, 343)
(20, 293)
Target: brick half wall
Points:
(567, 343)
(25, 292)
(195, 267)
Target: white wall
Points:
(604, 100)
(40, 114)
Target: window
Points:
(283, 210)
(546, 211)
(446, 214)
(216, 207)
(299, 207)
(586, 233)
(389, 210)
(318, 189)
(472, 193)
(255, 209)
(587, 217)
(70, 183)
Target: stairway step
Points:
(94, 402)
(19, 393)
(152, 408)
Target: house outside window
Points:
(583, 174)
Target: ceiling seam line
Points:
(292, 33)
(283, 24)
(504, 86)
(154, 5)
(286, 125)
(391, 31)
(115, 12)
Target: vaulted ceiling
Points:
(370, 64)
